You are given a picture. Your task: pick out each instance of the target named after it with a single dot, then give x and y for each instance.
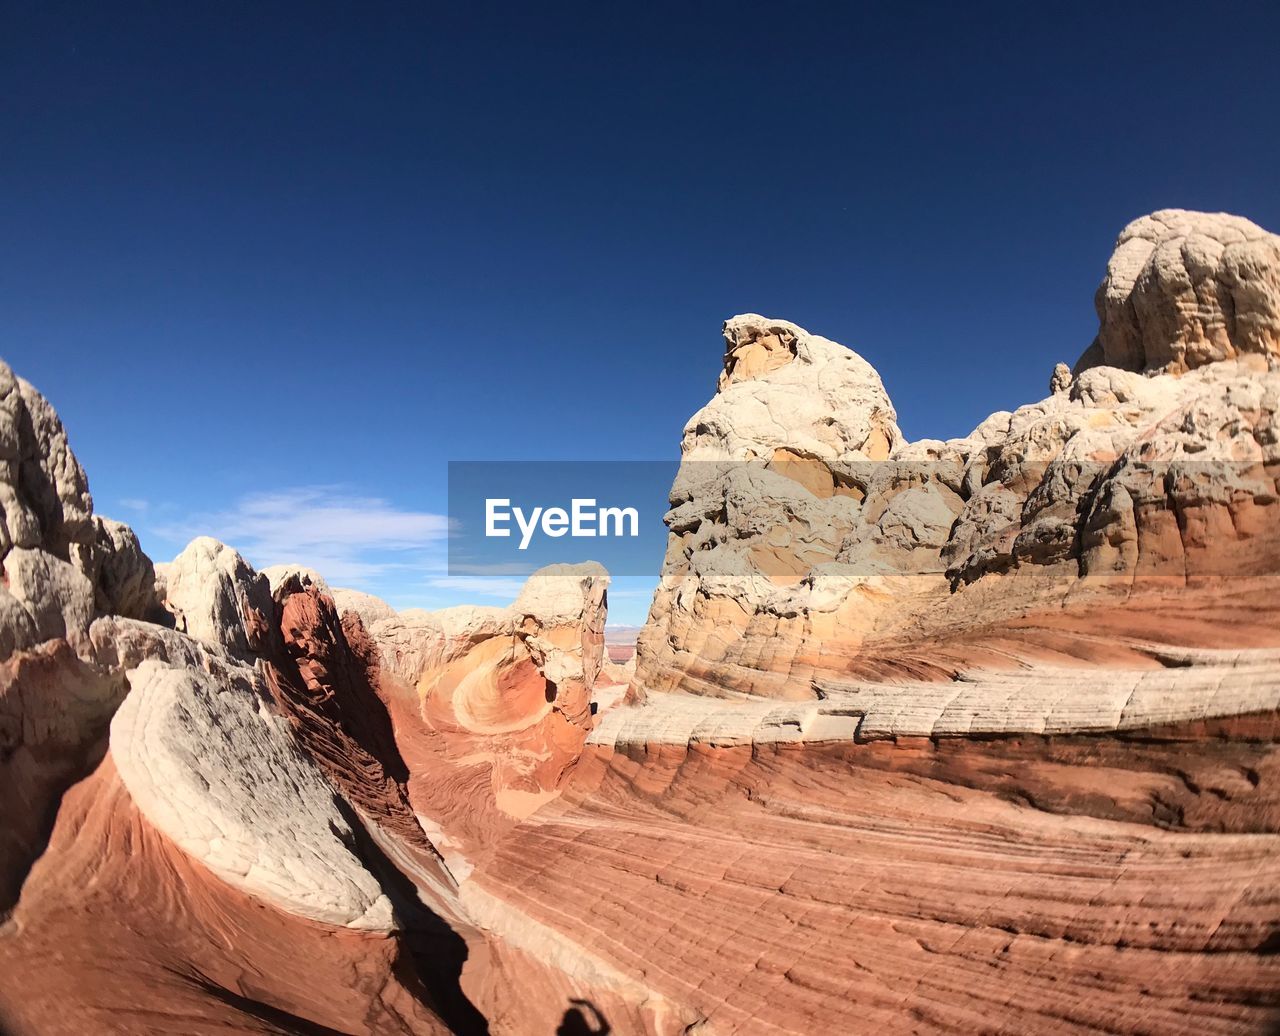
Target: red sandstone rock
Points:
(118, 931)
(979, 739)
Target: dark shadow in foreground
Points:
(436, 954)
(575, 1021)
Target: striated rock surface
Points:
(324, 677)
(211, 768)
(953, 886)
(945, 737)
(505, 692)
(120, 931)
(791, 558)
(239, 808)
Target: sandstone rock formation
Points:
(295, 577)
(209, 766)
(369, 608)
(792, 557)
(61, 567)
(1058, 634)
(508, 690)
(1184, 289)
(966, 736)
(252, 792)
(216, 597)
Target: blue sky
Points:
(277, 264)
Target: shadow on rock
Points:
(575, 1022)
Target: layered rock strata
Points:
(952, 737)
(792, 557)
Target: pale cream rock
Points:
(217, 597)
(121, 644)
(1053, 472)
(1061, 379)
(371, 609)
(1184, 289)
(557, 594)
(413, 641)
(783, 387)
(1198, 685)
(466, 624)
(294, 578)
(211, 766)
(1112, 474)
(612, 672)
(46, 525)
(122, 574)
(45, 499)
(60, 565)
(774, 471)
(408, 643)
(46, 598)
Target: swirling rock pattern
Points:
(1017, 885)
(947, 737)
(212, 769)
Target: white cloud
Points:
(366, 543)
(349, 539)
(480, 585)
(506, 568)
(133, 503)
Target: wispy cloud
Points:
(506, 568)
(363, 542)
(484, 586)
(132, 503)
(347, 538)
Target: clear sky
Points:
(275, 264)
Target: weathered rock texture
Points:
(120, 931)
(212, 769)
(216, 597)
(1011, 885)
(1184, 289)
(168, 787)
(791, 557)
(62, 566)
(945, 737)
(506, 692)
